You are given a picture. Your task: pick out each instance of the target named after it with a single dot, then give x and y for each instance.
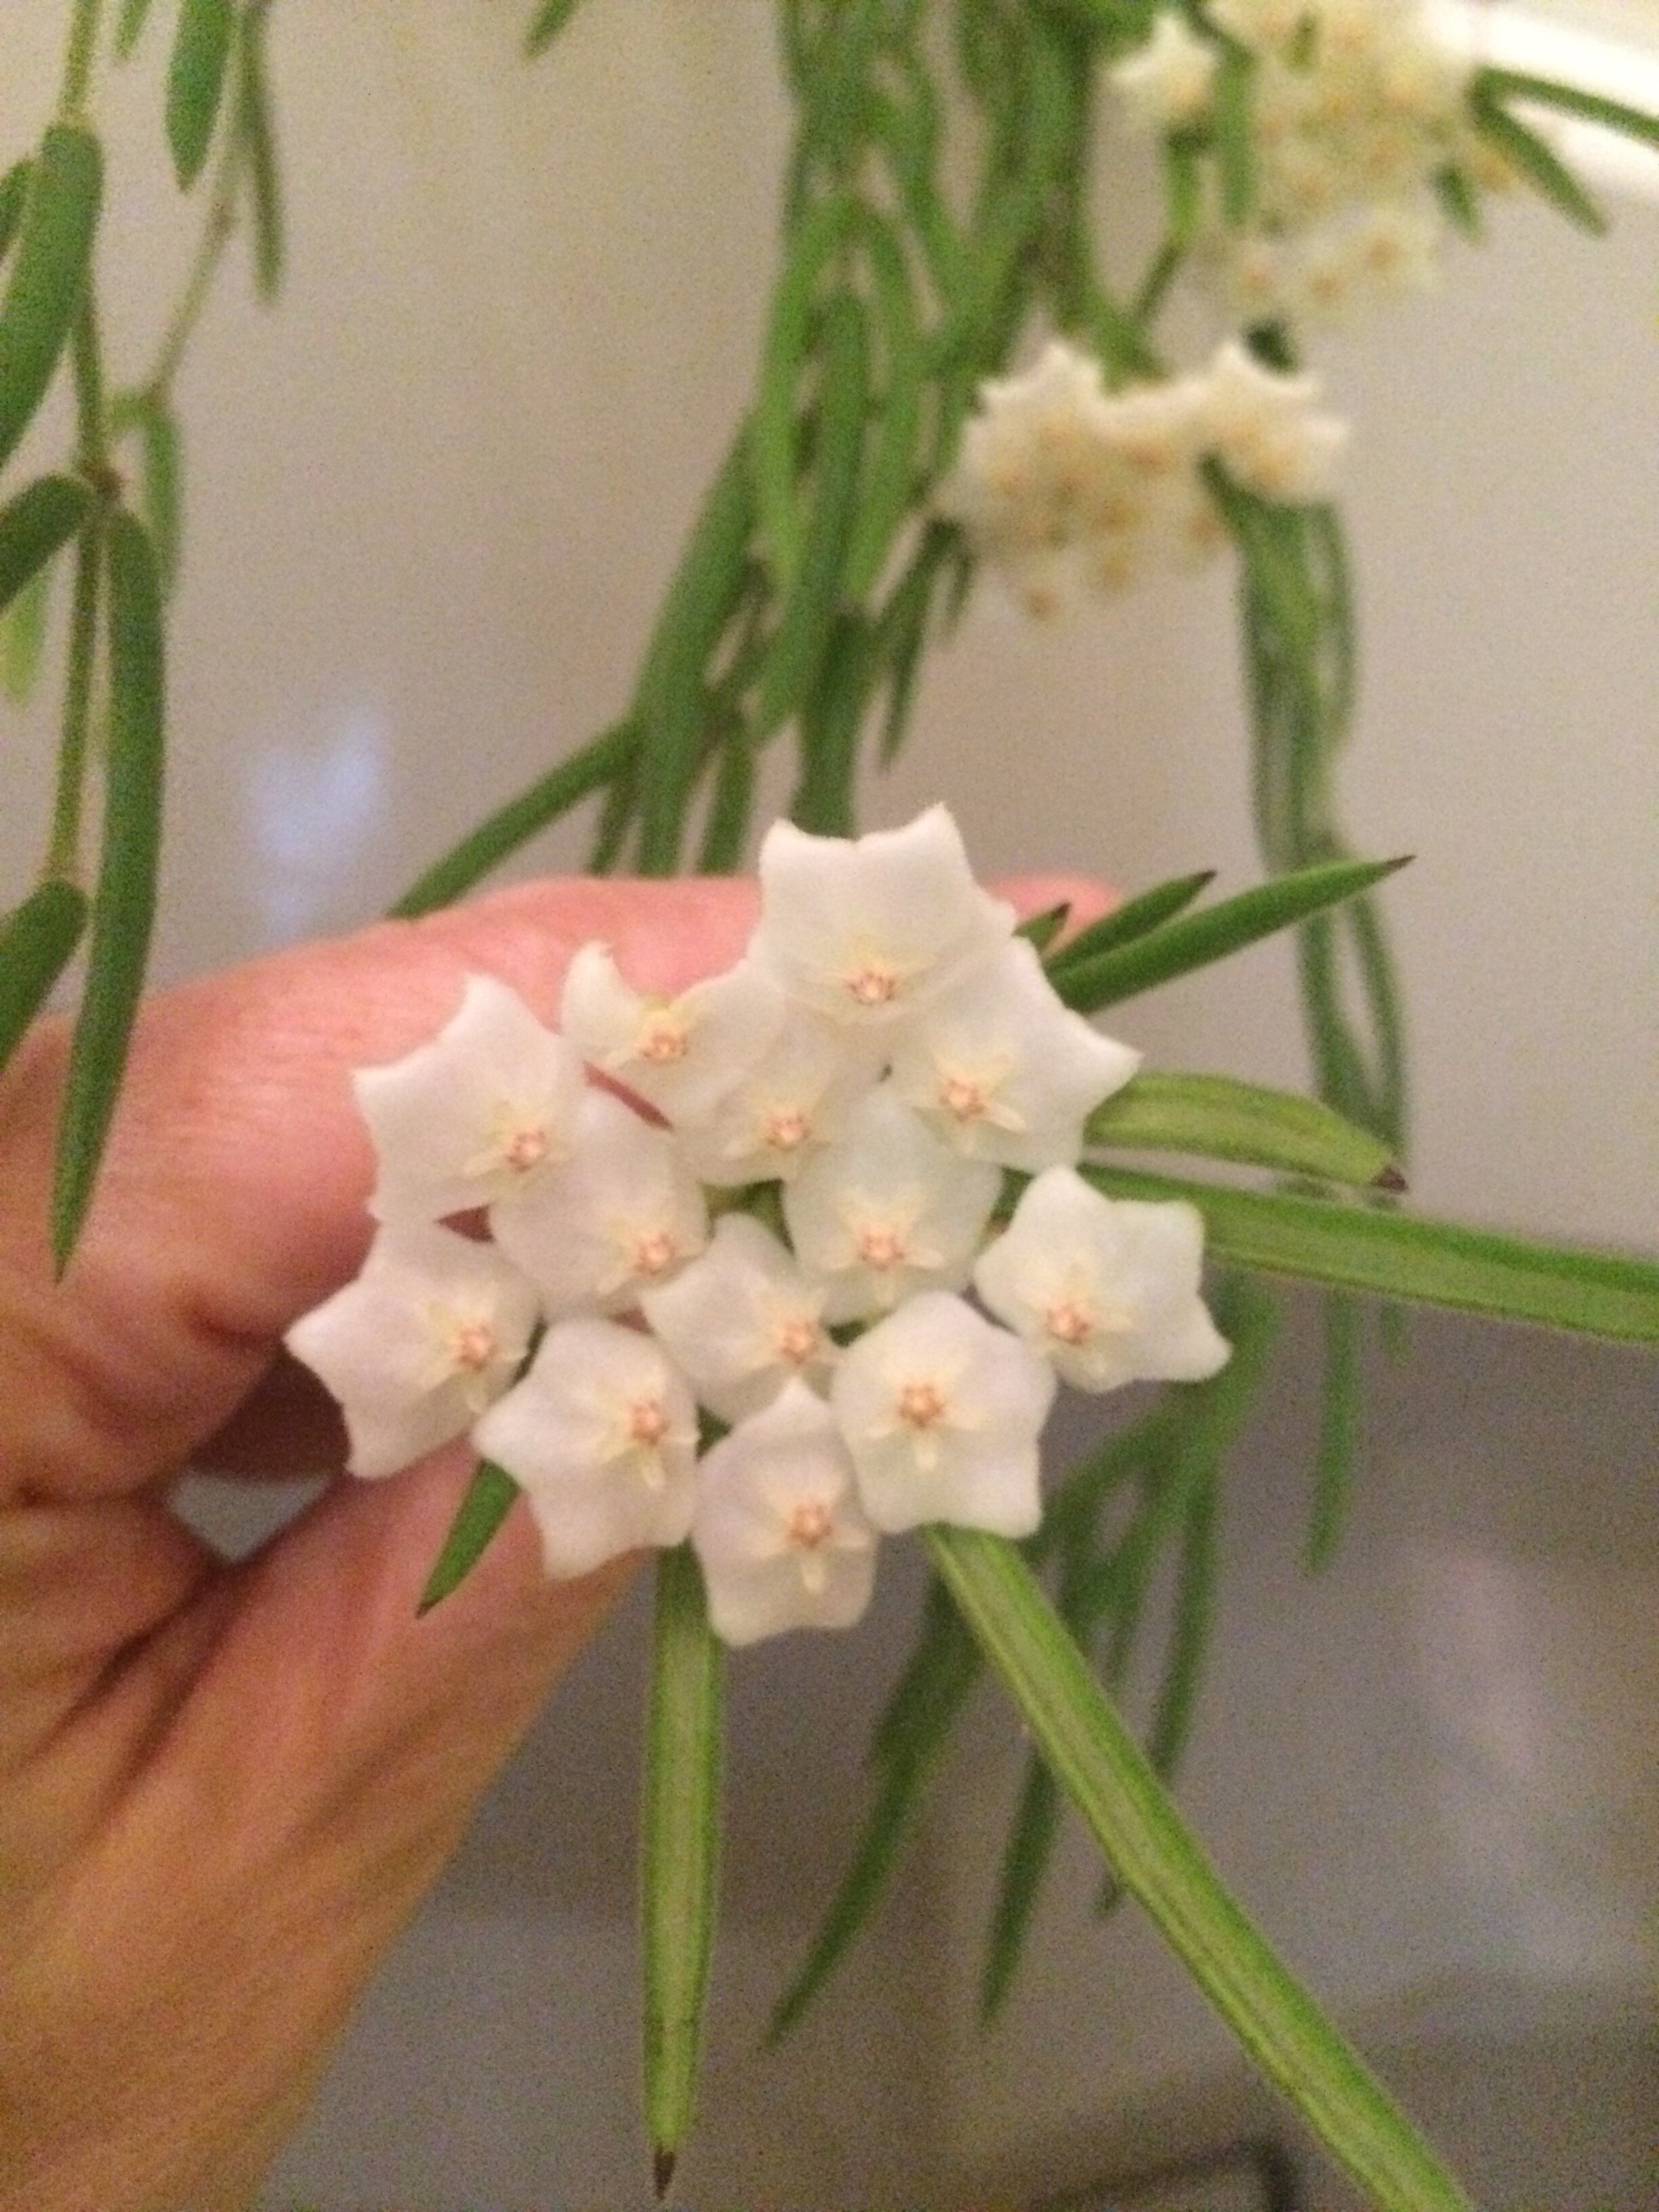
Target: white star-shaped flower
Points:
(478, 1116)
(941, 1413)
(742, 1320)
(601, 1434)
(1107, 1289)
(796, 1099)
(1166, 83)
(680, 1054)
(624, 1213)
(1003, 1071)
(1265, 428)
(888, 1210)
(778, 1529)
(866, 930)
(430, 1332)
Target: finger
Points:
(231, 1198)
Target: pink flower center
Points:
(961, 1096)
(1069, 1321)
(921, 1404)
(655, 1250)
(785, 1129)
(809, 1525)
(881, 1245)
(647, 1422)
(797, 1339)
(873, 984)
(474, 1346)
(664, 1038)
(523, 1149)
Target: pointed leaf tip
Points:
(663, 2162)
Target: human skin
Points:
(224, 1789)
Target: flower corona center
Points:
(473, 1346)
(647, 1422)
(655, 1251)
(809, 1525)
(785, 1129)
(525, 1148)
(881, 1245)
(963, 1097)
(796, 1340)
(872, 983)
(920, 1406)
(664, 1037)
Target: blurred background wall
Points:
(431, 502)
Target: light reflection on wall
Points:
(316, 807)
(1539, 1679)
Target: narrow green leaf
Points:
(123, 904)
(1183, 189)
(671, 703)
(902, 631)
(829, 724)
(253, 121)
(23, 636)
(732, 805)
(1041, 929)
(1212, 1117)
(42, 518)
(48, 276)
(129, 26)
(1102, 1768)
(1458, 201)
(679, 1843)
(772, 428)
(615, 821)
(1356, 1248)
(489, 1496)
(890, 480)
(1503, 84)
(545, 25)
(809, 611)
(159, 436)
(37, 941)
(1339, 1427)
(498, 837)
(1234, 137)
(196, 81)
(1131, 920)
(14, 191)
(1175, 948)
(1538, 162)
(1189, 1636)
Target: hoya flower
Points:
(476, 1117)
(778, 1529)
(864, 930)
(1259, 24)
(742, 1321)
(601, 1434)
(679, 1053)
(941, 1413)
(430, 1333)
(887, 1211)
(1003, 1071)
(1105, 1288)
(624, 1213)
(1167, 82)
(1266, 430)
(796, 1097)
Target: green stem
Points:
(77, 62)
(91, 422)
(63, 855)
(216, 230)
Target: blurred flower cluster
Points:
(1072, 490)
(700, 1266)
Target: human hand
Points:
(223, 1789)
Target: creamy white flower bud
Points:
(1166, 83)
(1003, 1071)
(429, 1335)
(601, 1434)
(941, 1413)
(742, 1320)
(624, 1213)
(1265, 428)
(888, 1210)
(479, 1116)
(680, 1054)
(778, 1529)
(1107, 1289)
(865, 930)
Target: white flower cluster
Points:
(1355, 106)
(1074, 490)
(887, 1059)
